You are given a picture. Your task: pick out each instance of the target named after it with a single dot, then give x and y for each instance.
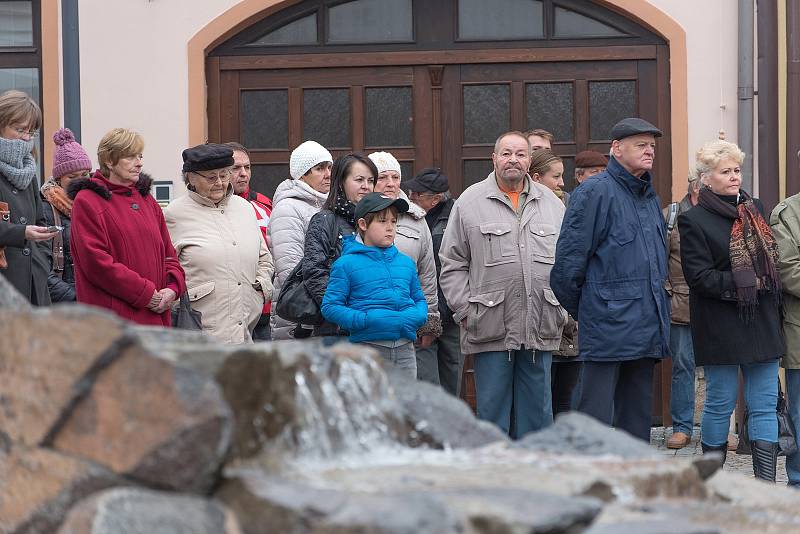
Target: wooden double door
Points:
(445, 115)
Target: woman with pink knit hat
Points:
(70, 161)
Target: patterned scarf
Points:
(57, 197)
(16, 162)
(345, 209)
(753, 251)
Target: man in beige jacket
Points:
(496, 256)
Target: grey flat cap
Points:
(633, 126)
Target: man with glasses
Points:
(240, 180)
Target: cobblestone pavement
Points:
(739, 463)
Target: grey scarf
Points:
(16, 162)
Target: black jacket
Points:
(437, 225)
(323, 246)
(62, 288)
(719, 335)
(28, 261)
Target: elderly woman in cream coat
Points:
(413, 239)
(220, 246)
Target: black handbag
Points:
(787, 435)
(295, 302)
(184, 316)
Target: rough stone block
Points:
(38, 487)
(164, 425)
(48, 359)
(139, 511)
(437, 419)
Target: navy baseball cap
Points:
(375, 202)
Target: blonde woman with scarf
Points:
(730, 260)
(70, 161)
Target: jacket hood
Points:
(351, 245)
(100, 185)
(300, 190)
(413, 210)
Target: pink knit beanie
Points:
(69, 155)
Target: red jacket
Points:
(262, 205)
(121, 249)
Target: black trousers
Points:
(262, 330)
(563, 379)
(619, 394)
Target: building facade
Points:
(434, 82)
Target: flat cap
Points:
(207, 157)
(375, 202)
(633, 126)
(429, 179)
(590, 158)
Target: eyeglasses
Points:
(21, 131)
(222, 175)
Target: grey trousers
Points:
(401, 356)
(442, 362)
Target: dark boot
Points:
(708, 468)
(765, 457)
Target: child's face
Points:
(381, 231)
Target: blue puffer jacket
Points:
(610, 267)
(374, 293)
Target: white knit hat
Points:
(385, 162)
(305, 156)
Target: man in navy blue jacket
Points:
(609, 273)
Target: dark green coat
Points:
(28, 262)
(785, 222)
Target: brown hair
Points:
(17, 107)
(371, 216)
(236, 147)
(541, 161)
(339, 172)
(540, 133)
(117, 144)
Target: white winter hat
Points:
(384, 161)
(305, 156)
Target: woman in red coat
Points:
(122, 253)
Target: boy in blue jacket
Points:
(373, 291)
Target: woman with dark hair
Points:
(352, 177)
(24, 246)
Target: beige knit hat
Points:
(305, 156)
(384, 161)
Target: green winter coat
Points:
(785, 222)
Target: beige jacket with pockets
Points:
(496, 268)
(223, 252)
(414, 240)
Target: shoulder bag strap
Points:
(58, 246)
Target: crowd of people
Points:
(565, 300)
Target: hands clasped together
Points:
(162, 300)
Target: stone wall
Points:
(106, 427)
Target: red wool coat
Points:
(121, 249)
